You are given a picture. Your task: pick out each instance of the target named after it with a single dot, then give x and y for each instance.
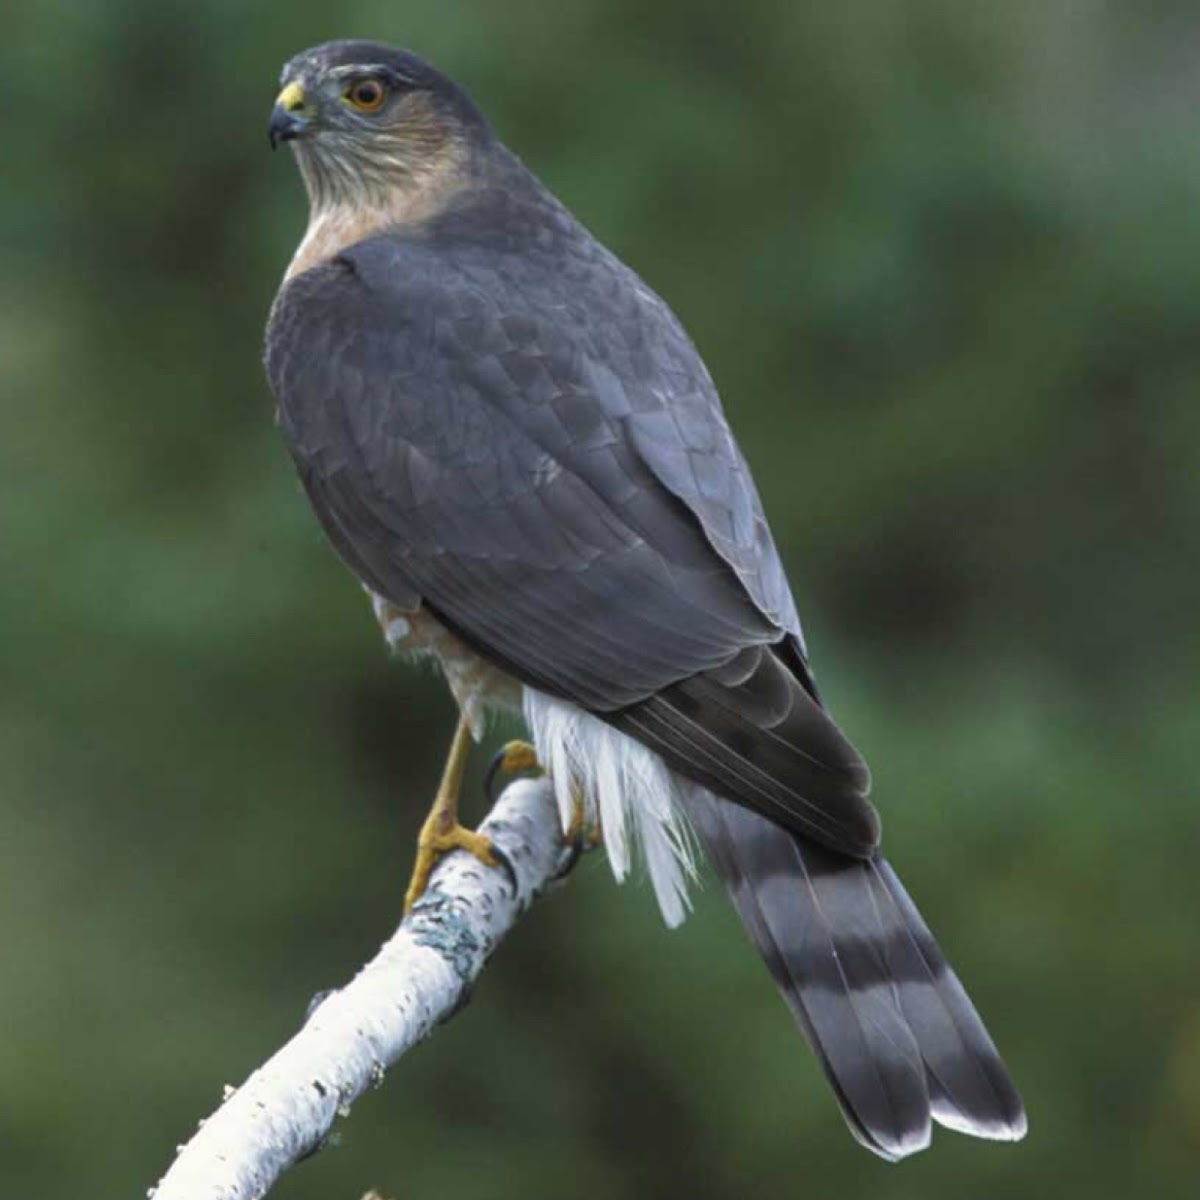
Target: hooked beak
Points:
(289, 117)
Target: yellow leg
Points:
(579, 830)
(578, 817)
(441, 832)
(578, 837)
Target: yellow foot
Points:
(578, 837)
(508, 760)
(439, 837)
(518, 756)
(579, 832)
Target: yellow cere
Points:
(291, 98)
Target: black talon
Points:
(576, 850)
(489, 780)
(509, 869)
(499, 764)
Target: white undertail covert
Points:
(625, 788)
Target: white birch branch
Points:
(419, 978)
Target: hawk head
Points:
(363, 116)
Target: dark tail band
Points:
(895, 1032)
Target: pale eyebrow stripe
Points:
(362, 69)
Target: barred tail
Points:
(895, 1032)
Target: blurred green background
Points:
(943, 259)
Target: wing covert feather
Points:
(454, 435)
(520, 433)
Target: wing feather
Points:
(539, 454)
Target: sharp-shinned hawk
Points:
(511, 441)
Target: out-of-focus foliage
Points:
(944, 261)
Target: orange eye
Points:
(367, 95)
